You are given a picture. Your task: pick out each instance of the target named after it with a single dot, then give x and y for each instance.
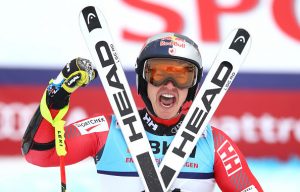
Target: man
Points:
(169, 69)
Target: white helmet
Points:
(168, 45)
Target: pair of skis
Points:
(106, 60)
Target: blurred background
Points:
(261, 111)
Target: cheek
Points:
(151, 92)
(183, 94)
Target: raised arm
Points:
(38, 143)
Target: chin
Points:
(167, 115)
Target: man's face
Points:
(168, 83)
(166, 99)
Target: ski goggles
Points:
(159, 71)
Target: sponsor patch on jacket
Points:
(95, 124)
(251, 188)
(230, 158)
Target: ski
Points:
(106, 60)
(217, 82)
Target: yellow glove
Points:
(78, 73)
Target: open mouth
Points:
(167, 100)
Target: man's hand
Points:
(77, 73)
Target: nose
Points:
(169, 84)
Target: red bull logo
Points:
(172, 41)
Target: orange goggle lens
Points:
(159, 71)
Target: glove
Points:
(78, 73)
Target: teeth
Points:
(168, 95)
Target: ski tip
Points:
(91, 18)
(240, 40)
(88, 7)
(243, 30)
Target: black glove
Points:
(78, 73)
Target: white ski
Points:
(106, 60)
(220, 76)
